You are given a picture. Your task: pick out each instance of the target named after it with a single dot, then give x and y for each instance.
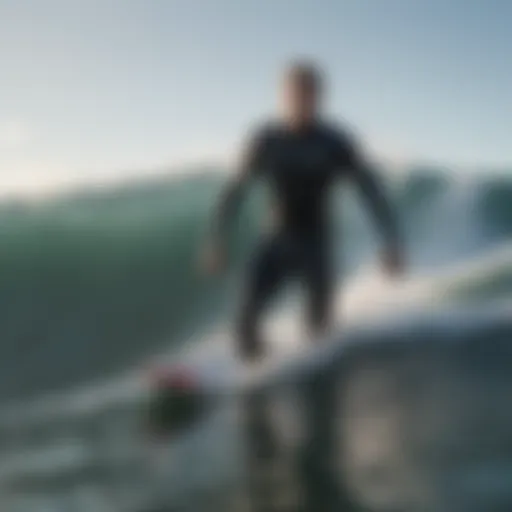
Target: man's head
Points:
(302, 91)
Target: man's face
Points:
(300, 99)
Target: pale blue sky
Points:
(95, 88)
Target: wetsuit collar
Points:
(301, 129)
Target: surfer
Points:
(300, 157)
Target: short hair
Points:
(306, 73)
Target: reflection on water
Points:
(412, 424)
(430, 427)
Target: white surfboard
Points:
(216, 368)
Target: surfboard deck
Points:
(217, 369)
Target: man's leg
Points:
(270, 265)
(319, 282)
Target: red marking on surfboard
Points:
(173, 377)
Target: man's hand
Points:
(393, 261)
(212, 260)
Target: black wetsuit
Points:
(300, 167)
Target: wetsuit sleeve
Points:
(360, 171)
(249, 165)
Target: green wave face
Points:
(94, 282)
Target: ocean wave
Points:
(94, 282)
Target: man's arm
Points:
(376, 200)
(234, 191)
(380, 208)
(228, 205)
(230, 199)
